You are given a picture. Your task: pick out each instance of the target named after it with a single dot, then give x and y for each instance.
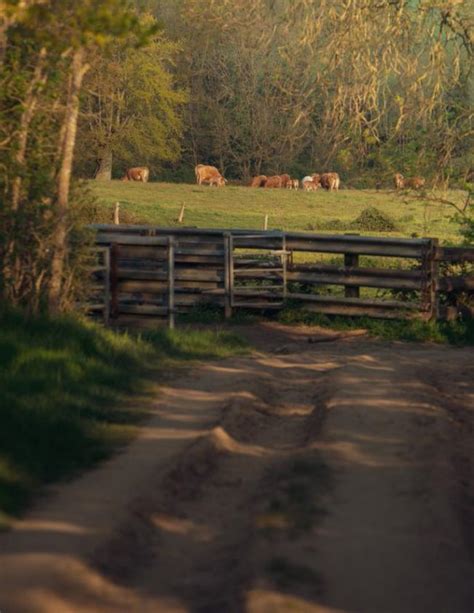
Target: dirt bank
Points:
(335, 475)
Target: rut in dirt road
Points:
(201, 537)
(308, 478)
(393, 541)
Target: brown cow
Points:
(330, 181)
(209, 174)
(316, 179)
(415, 183)
(285, 179)
(399, 181)
(258, 181)
(274, 181)
(309, 184)
(139, 173)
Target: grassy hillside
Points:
(63, 383)
(243, 207)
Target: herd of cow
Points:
(327, 180)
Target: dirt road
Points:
(331, 476)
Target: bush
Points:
(373, 220)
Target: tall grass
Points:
(62, 386)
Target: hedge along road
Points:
(322, 477)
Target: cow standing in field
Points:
(330, 181)
(259, 181)
(139, 173)
(309, 185)
(399, 181)
(293, 184)
(316, 179)
(209, 174)
(285, 179)
(274, 181)
(415, 183)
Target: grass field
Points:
(63, 383)
(243, 207)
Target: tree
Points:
(132, 106)
(42, 69)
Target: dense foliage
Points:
(47, 50)
(364, 87)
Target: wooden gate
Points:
(156, 272)
(257, 278)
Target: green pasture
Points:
(243, 207)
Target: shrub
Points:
(373, 220)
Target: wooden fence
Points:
(156, 272)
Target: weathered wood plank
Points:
(376, 272)
(456, 284)
(362, 302)
(345, 245)
(455, 254)
(204, 255)
(125, 239)
(358, 311)
(142, 309)
(171, 280)
(160, 287)
(354, 277)
(180, 275)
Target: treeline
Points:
(362, 87)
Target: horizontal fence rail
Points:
(156, 272)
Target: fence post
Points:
(114, 255)
(351, 260)
(106, 285)
(432, 270)
(228, 274)
(117, 213)
(284, 262)
(171, 282)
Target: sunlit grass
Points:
(62, 387)
(243, 207)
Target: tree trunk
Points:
(59, 238)
(29, 105)
(104, 172)
(4, 25)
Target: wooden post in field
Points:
(284, 261)
(228, 275)
(171, 282)
(265, 223)
(432, 271)
(181, 214)
(106, 285)
(351, 260)
(231, 272)
(117, 213)
(114, 255)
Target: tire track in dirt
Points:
(214, 498)
(316, 479)
(392, 541)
